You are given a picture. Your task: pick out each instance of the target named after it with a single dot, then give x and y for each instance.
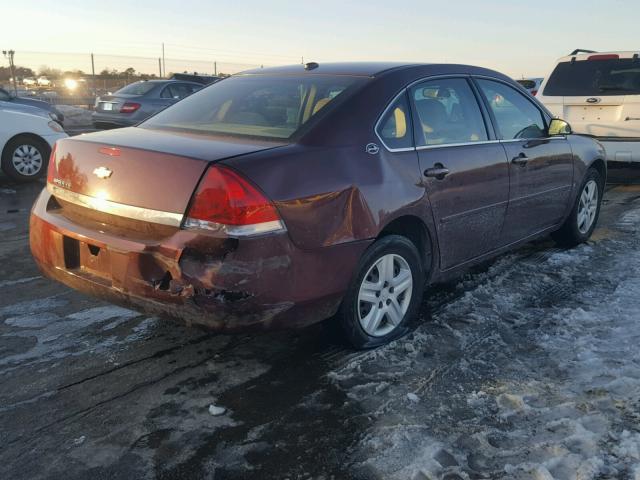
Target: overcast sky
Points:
(516, 37)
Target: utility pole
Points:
(215, 69)
(159, 67)
(9, 54)
(164, 64)
(93, 75)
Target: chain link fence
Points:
(78, 78)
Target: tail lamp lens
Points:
(226, 201)
(129, 107)
(51, 168)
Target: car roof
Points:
(586, 55)
(373, 69)
(362, 69)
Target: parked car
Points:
(25, 142)
(43, 81)
(532, 85)
(29, 82)
(6, 96)
(137, 101)
(599, 93)
(284, 196)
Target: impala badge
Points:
(103, 172)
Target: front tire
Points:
(583, 218)
(25, 158)
(384, 295)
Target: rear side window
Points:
(177, 90)
(263, 106)
(595, 78)
(394, 128)
(447, 112)
(137, 88)
(516, 116)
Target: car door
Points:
(540, 166)
(466, 174)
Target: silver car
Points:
(138, 101)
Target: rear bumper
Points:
(623, 150)
(115, 119)
(220, 283)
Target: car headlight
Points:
(56, 127)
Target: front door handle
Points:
(438, 171)
(521, 159)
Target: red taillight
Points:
(129, 107)
(51, 169)
(534, 92)
(604, 57)
(225, 200)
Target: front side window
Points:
(265, 106)
(516, 116)
(447, 112)
(394, 128)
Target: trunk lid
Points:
(147, 169)
(113, 103)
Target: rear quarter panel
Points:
(329, 196)
(586, 150)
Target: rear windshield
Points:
(595, 77)
(528, 84)
(255, 105)
(138, 88)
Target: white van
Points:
(598, 93)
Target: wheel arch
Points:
(600, 165)
(29, 135)
(416, 230)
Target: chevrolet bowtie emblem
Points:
(103, 172)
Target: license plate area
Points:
(107, 106)
(86, 257)
(592, 113)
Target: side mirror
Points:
(558, 127)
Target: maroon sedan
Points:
(285, 196)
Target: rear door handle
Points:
(521, 159)
(439, 171)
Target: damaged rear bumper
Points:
(220, 283)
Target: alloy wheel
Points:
(588, 206)
(385, 295)
(27, 160)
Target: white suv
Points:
(598, 93)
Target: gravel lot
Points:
(526, 368)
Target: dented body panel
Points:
(220, 283)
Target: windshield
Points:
(255, 105)
(595, 78)
(138, 88)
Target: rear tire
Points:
(384, 295)
(583, 218)
(25, 158)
